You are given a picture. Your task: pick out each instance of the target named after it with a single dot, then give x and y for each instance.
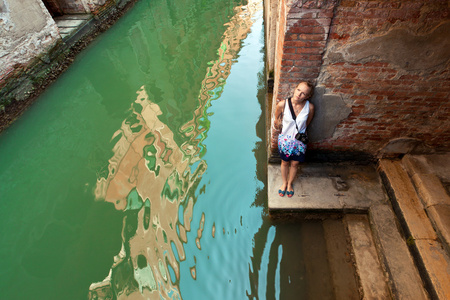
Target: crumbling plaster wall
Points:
(28, 30)
(389, 62)
(383, 74)
(30, 42)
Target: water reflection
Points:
(153, 178)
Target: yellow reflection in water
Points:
(150, 179)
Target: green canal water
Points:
(141, 172)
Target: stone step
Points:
(432, 260)
(371, 275)
(73, 17)
(404, 279)
(69, 25)
(340, 260)
(432, 193)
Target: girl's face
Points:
(301, 92)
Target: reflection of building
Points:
(150, 179)
(218, 72)
(153, 179)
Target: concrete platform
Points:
(327, 188)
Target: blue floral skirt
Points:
(290, 148)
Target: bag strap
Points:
(292, 109)
(292, 112)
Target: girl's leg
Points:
(292, 173)
(284, 174)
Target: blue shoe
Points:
(290, 194)
(281, 193)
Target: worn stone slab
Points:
(327, 187)
(427, 184)
(430, 189)
(74, 17)
(409, 207)
(437, 266)
(316, 267)
(66, 31)
(69, 23)
(440, 164)
(340, 261)
(431, 192)
(369, 269)
(404, 278)
(416, 164)
(440, 217)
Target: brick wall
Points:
(302, 40)
(302, 34)
(387, 60)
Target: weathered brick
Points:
(310, 50)
(336, 36)
(387, 102)
(289, 50)
(297, 44)
(317, 44)
(390, 4)
(376, 64)
(291, 37)
(312, 37)
(309, 63)
(309, 29)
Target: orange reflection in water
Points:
(150, 179)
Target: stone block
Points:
(409, 207)
(440, 217)
(430, 190)
(371, 274)
(440, 163)
(399, 146)
(436, 264)
(416, 164)
(404, 277)
(340, 261)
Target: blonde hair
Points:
(310, 85)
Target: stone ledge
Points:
(436, 265)
(340, 260)
(440, 217)
(432, 260)
(372, 278)
(404, 278)
(432, 193)
(405, 201)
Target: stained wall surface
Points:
(27, 31)
(30, 41)
(381, 70)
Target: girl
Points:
(291, 150)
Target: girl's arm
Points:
(310, 115)
(279, 114)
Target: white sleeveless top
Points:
(288, 123)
